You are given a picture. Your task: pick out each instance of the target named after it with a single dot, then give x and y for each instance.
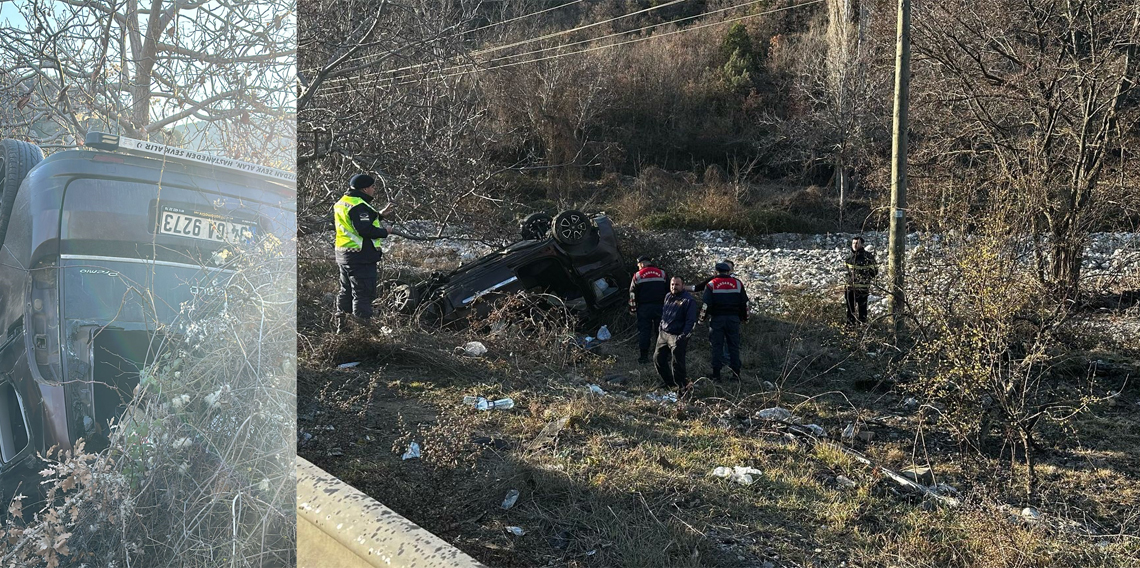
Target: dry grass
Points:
(627, 483)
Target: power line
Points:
(597, 48)
(589, 40)
(635, 40)
(525, 41)
(480, 28)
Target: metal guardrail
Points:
(340, 527)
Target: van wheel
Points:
(535, 226)
(16, 160)
(572, 227)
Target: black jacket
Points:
(362, 216)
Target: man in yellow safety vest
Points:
(359, 232)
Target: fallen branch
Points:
(884, 471)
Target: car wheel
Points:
(405, 299)
(535, 226)
(16, 159)
(572, 227)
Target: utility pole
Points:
(897, 245)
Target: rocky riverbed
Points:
(775, 264)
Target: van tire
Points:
(16, 160)
(572, 227)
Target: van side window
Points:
(13, 425)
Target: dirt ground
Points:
(626, 482)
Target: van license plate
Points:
(196, 227)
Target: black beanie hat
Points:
(361, 181)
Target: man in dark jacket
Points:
(359, 232)
(726, 302)
(646, 294)
(861, 270)
(678, 317)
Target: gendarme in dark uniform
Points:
(646, 296)
(726, 303)
(359, 233)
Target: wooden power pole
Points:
(897, 269)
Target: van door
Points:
(15, 433)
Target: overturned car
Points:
(570, 258)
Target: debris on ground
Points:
(511, 498)
(517, 531)
(473, 349)
(604, 334)
(667, 397)
(844, 482)
(817, 430)
(849, 432)
(413, 451)
(739, 474)
(481, 403)
(919, 475)
(348, 365)
(595, 389)
(549, 433)
(776, 413)
(1030, 514)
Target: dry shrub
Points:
(990, 346)
(538, 326)
(200, 469)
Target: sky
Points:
(9, 12)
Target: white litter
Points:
(348, 365)
(517, 531)
(474, 349)
(777, 413)
(816, 429)
(739, 474)
(595, 389)
(413, 451)
(510, 499)
(667, 397)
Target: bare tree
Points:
(839, 91)
(1031, 104)
(378, 92)
(141, 70)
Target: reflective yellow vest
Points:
(346, 236)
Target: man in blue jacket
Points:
(678, 317)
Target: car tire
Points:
(572, 227)
(405, 299)
(535, 226)
(16, 160)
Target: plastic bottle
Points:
(501, 404)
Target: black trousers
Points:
(670, 359)
(357, 289)
(856, 302)
(724, 331)
(648, 322)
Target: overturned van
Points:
(102, 248)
